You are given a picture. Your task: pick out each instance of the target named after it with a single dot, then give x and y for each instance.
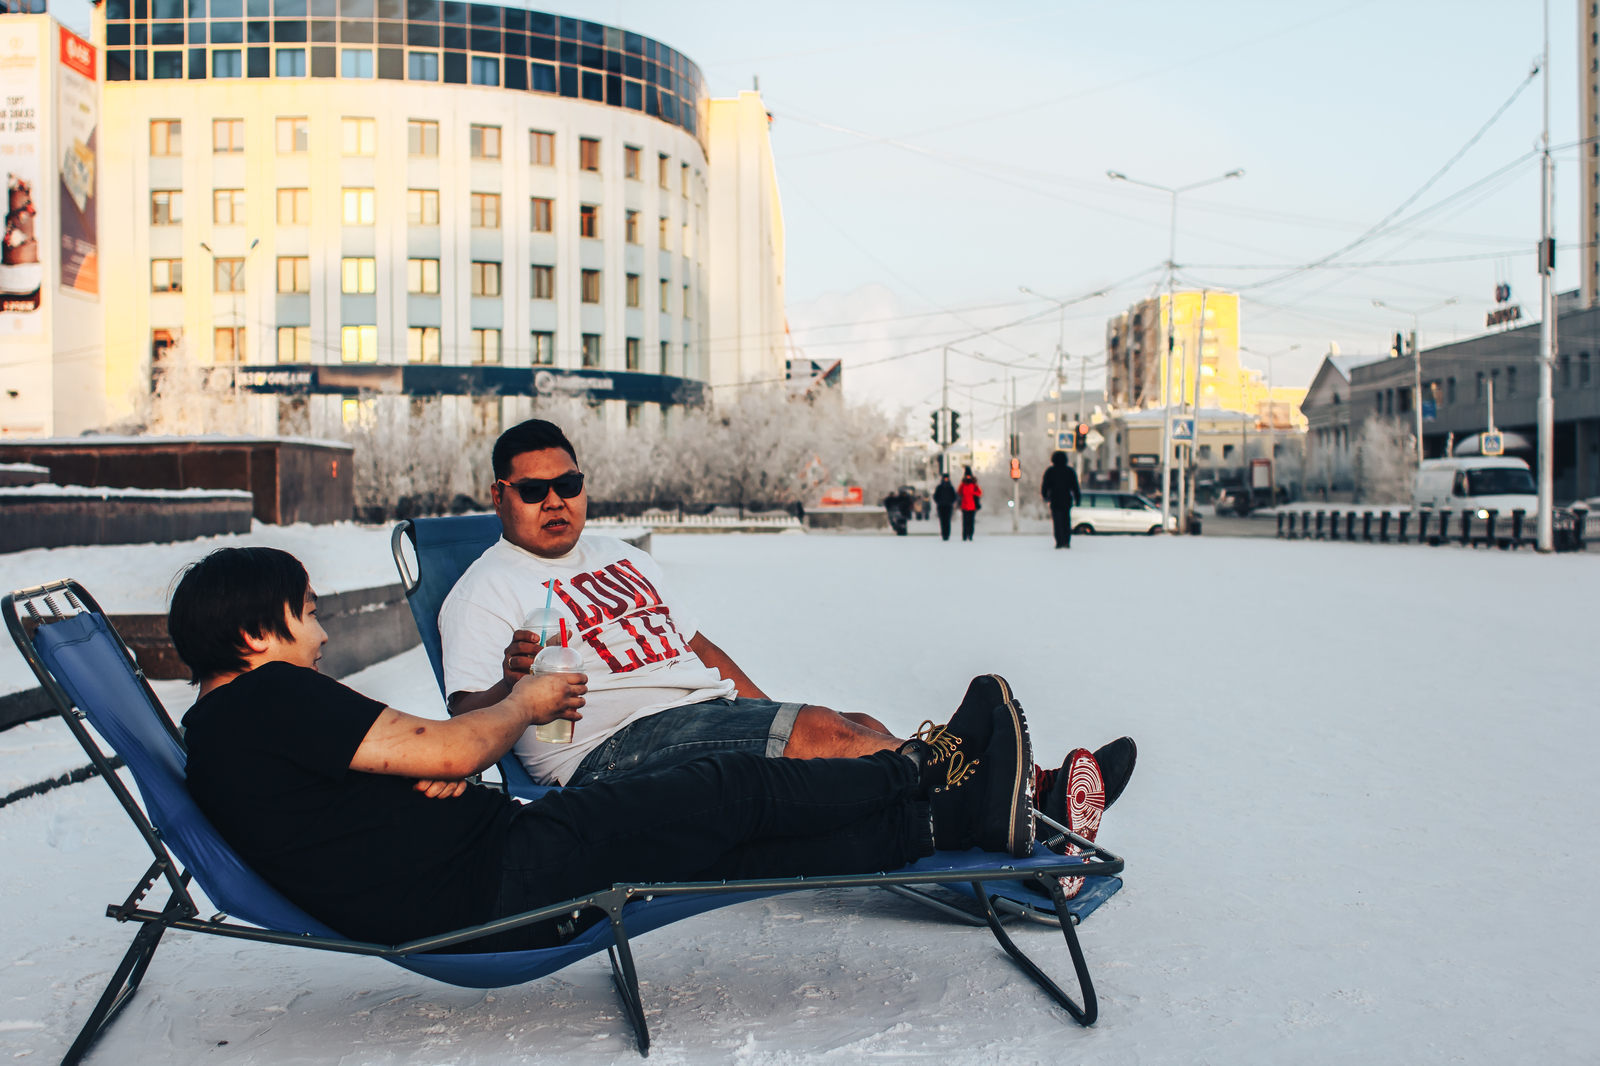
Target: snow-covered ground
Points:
(1362, 829)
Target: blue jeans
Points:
(676, 736)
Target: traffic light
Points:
(955, 426)
(936, 439)
(1080, 439)
(1398, 348)
(1016, 469)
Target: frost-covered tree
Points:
(1385, 462)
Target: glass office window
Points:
(485, 279)
(294, 344)
(355, 62)
(544, 283)
(166, 137)
(542, 215)
(360, 136)
(166, 275)
(591, 286)
(542, 149)
(422, 138)
(543, 349)
(485, 346)
(358, 344)
(294, 135)
(228, 275)
(294, 207)
(294, 274)
(422, 344)
(166, 207)
(485, 210)
(422, 277)
(422, 66)
(360, 207)
(591, 350)
(422, 207)
(358, 275)
(485, 142)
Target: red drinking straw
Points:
(563, 632)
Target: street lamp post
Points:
(1416, 356)
(1272, 425)
(1166, 384)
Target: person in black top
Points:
(1060, 488)
(944, 499)
(360, 813)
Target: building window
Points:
(485, 142)
(633, 353)
(666, 295)
(544, 349)
(663, 170)
(591, 286)
(1511, 382)
(684, 171)
(422, 343)
(485, 346)
(227, 136)
(228, 344)
(294, 207)
(589, 154)
(542, 149)
(162, 341)
(291, 64)
(358, 275)
(422, 138)
(228, 275)
(666, 348)
(485, 210)
(633, 290)
(1479, 394)
(631, 414)
(227, 63)
(485, 279)
(541, 215)
(544, 283)
(358, 413)
(227, 207)
(485, 70)
(630, 163)
(1583, 370)
(294, 135)
(631, 227)
(1566, 366)
(666, 242)
(166, 275)
(355, 63)
(684, 245)
(360, 207)
(686, 301)
(294, 274)
(591, 350)
(166, 207)
(360, 136)
(422, 66)
(166, 137)
(1450, 390)
(688, 367)
(422, 207)
(588, 221)
(422, 277)
(358, 344)
(1205, 450)
(294, 344)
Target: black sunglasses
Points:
(536, 490)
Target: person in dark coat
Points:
(1060, 488)
(971, 499)
(944, 501)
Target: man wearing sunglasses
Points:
(660, 692)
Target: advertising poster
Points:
(21, 160)
(77, 119)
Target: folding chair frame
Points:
(181, 912)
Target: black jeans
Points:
(729, 816)
(944, 522)
(1062, 518)
(969, 520)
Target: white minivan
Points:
(1475, 483)
(1116, 512)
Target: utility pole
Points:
(1016, 454)
(1194, 438)
(944, 416)
(1172, 270)
(1416, 359)
(1547, 315)
(1083, 384)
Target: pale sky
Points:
(933, 157)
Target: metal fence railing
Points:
(1469, 528)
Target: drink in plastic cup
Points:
(556, 660)
(546, 620)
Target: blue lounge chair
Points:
(90, 676)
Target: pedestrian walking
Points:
(1060, 490)
(971, 501)
(944, 501)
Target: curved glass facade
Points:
(403, 40)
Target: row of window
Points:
(358, 207)
(359, 137)
(359, 275)
(359, 344)
(1398, 401)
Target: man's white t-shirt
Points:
(635, 642)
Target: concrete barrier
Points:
(55, 516)
(854, 519)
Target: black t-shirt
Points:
(269, 764)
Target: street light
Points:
(1272, 425)
(1416, 355)
(1166, 385)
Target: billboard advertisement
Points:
(77, 120)
(22, 162)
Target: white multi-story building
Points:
(425, 197)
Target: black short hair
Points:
(534, 435)
(231, 592)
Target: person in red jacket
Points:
(971, 494)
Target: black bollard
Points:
(1517, 517)
(1383, 528)
(1580, 527)
(1422, 527)
(1350, 525)
(1444, 530)
(1405, 516)
(1488, 537)
(1280, 525)
(1466, 529)
(1320, 516)
(1366, 526)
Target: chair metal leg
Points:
(627, 981)
(1084, 1015)
(119, 991)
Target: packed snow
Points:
(1361, 828)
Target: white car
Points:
(1116, 512)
